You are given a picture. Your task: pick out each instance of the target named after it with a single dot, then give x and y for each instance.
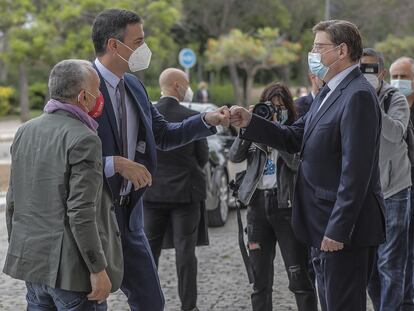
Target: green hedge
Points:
(6, 96)
(37, 95)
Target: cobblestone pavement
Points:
(222, 281)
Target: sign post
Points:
(187, 59)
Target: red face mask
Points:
(96, 111)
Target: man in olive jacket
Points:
(62, 232)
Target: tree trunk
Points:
(24, 93)
(234, 77)
(249, 88)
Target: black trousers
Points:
(343, 276)
(184, 219)
(266, 226)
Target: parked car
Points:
(219, 170)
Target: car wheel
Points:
(217, 217)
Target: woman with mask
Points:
(267, 190)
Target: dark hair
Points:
(111, 24)
(375, 53)
(341, 31)
(278, 89)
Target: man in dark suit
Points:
(304, 103)
(338, 205)
(178, 188)
(130, 129)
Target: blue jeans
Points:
(45, 298)
(409, 271)
(386, 287)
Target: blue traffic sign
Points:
(187, 58)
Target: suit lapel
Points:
(108, 109)
(317, 115)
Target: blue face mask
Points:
(316, 66)
(404, 86)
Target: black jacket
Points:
(180, 175)
(303, 104)
(256, 155)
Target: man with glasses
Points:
(338, 204)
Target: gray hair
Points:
(68, 78)
(377, 54)
(406, 59)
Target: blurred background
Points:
(240, 45)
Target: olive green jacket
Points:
(60, 224)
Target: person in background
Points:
(178, 189)
(385, 287)
(402, 78)
(267, 190)
(62, 232)
(304, 102)
(203, 94)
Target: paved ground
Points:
(223, 284)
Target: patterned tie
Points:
(123, 123)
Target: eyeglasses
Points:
(320, 46)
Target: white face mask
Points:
(373, 80)
(139, 59)
(188, 96)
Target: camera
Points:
(369, 68)
(266, 110)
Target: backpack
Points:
(409, 134)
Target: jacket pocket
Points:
(324, 194)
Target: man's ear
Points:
(383, 74)
(343, 50)
(112, 45)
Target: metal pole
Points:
(187, 71)
(327, 10)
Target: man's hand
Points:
(132, 171)
(239, 116)
(101, 286)
(329, 245)
(220, 116)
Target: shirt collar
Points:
(108, 75)
(336, 80)
(173, 97)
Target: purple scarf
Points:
(53, 105)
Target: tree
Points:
(394, 47)
(264, 50)
(43, 32)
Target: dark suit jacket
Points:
(338, 191)
(199, 96)
(180, 176)
(153, 128)
(303, 104)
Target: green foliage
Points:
(221, 93)
(37, 95)
(264, 50)
(6, 95)
(394, 47)
(154, 93)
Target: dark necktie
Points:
(123, 123)
(321, 96)
(123, 119)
